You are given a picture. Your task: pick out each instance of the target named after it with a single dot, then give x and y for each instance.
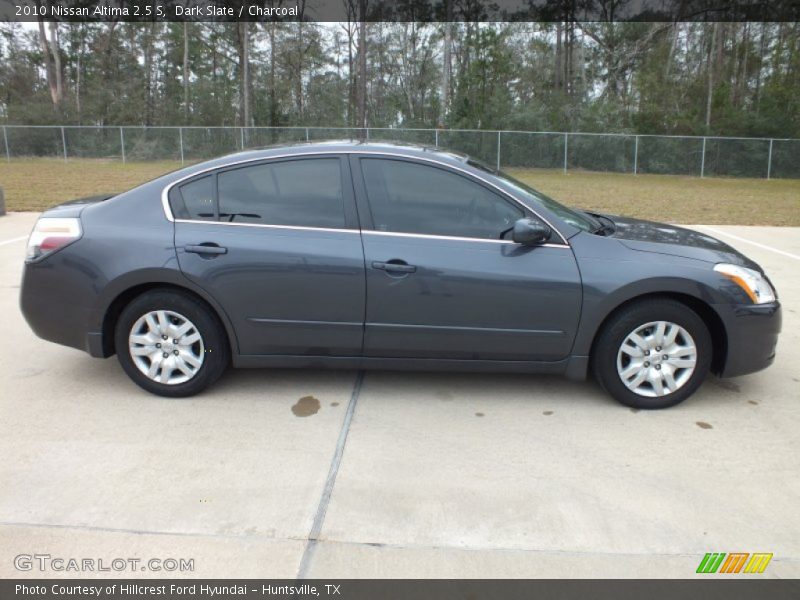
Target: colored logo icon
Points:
(734, 562)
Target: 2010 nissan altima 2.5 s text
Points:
(376, 255)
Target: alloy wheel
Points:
(166, 347)
(656, 359)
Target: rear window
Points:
(303, 192)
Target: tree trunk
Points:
(186, 72)
(48, 66)
(244, 64)
(56, 50)
(273, 113)
(711, 62)
(148, 76)
(558, 62)
(448, 40)
(298, 82)
(362, 67)
(78, 74)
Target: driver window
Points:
(407, 197)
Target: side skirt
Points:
(574, 367)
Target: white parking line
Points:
(13, 240)
(741, 239)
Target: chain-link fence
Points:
(614, 152)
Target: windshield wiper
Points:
(605, 225)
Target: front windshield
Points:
(578, 219)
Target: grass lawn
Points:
(35, 184)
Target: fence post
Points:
(436, 139)
(5, 139)
(64, 143)
(122, 144)
(636, 155)
(498, 150)
(306, 133)
(180, 135)
(769, 159)
(367, 130)
(566, 142)
(703, 159)
(241, 136)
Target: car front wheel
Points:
(653, 354)
(170, 344)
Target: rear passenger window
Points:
(195, 200)
(303, 193)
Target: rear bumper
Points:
(56, 310)
(752, 336)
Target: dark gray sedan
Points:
(367, 255)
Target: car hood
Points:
(651, 236)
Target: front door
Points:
(440, 281)
(276, 243)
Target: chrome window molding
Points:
(504, 193)
(268, 226)
(454, 238)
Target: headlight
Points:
(752, 282)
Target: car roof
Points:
(331, 146)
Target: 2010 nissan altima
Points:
(367, 255)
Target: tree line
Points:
(660, 78)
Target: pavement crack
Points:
(327, 491)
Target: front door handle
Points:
(205, 248)
(394, 266)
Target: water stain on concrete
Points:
(334, 404)
(479, 414)
(306, 406)
(729, 385)
(752, 402)
(703, 425)
(547, 413)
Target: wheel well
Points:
(122, 300)
(719, 338)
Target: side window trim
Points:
(215, 194)
(351, 220)
(364, 205)
(176, 195)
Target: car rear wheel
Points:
(652, 354)
(170, 344)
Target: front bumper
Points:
(752, 335)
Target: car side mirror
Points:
(530, 232)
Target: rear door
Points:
(277, 244)
(441, 283)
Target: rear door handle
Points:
(205, 248)
(394, 266)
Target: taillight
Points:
(51, 234)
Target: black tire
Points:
(627, 320)
(216, 354)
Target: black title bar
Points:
(399, 10)
(387, 589)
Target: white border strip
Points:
(751, 242)
(13, 240)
